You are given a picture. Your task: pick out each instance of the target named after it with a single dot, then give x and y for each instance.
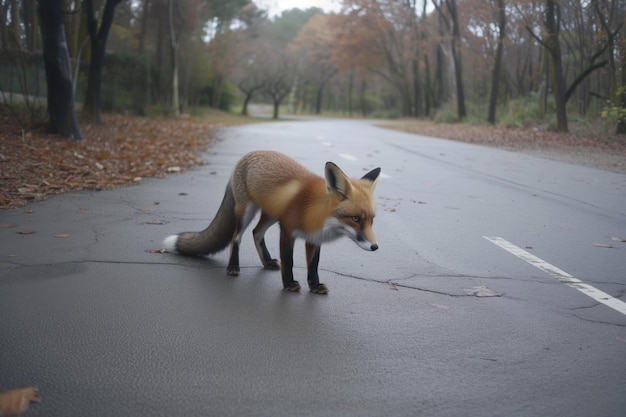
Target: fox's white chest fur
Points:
(331, 230)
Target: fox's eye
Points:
(356, 219)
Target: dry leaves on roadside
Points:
(119, 152)
(17, 401)
(157, 251)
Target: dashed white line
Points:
(559, 274)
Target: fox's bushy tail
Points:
(214, 238)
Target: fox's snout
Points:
(365, 244)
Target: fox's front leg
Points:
(312, 261)
(286, 260)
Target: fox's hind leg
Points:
(242, 221)
(265, 222)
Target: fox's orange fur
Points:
(307, 206)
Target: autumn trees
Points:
(500, 61)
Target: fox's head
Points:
(355, 212)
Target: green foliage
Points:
(125, 83)
(229, 98)
(524, 111)
(286, 26)
(373, 106)
(614, 112)
(447, 113)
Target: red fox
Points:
(305, 205)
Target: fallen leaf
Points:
(145, 209)
(157, 251)
(483, 291)
(393, 285)
(25, 232)
(62, 235)
(155, 222)
(618, 239)
(16, 402)
(440, 306)
(29, 211)
(602, 245)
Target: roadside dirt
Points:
(120, 152)
(587, 148)
(125, 149)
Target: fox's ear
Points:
(337, 181)
(372, 177)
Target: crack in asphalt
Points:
(394, 283)
(588, 320)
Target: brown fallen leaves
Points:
(588, 136)
(120, 152)
(589, 144)
(17, 401)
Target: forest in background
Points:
(513, 63)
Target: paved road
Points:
(104, 327)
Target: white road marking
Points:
(348, 157)
(559, 274)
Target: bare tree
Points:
(497, 65)
(98, 40)
(174, 56)
(451, 20)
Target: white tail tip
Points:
(170, 242)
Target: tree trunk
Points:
(456, 58)
(98, 40)
(246, 100)
(497, 66)
(145, 13)
(621, 124)
(554, 49)
(417, 90)
(350, 91)
(62, 117)
(174, 53)
(318, 99)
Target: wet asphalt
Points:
(105, 325)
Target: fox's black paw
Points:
(233, 270)
(292, 286)
(320, 289)
(272, 265)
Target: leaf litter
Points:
(117, 153)
(17, 401)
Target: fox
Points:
(305, 205)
